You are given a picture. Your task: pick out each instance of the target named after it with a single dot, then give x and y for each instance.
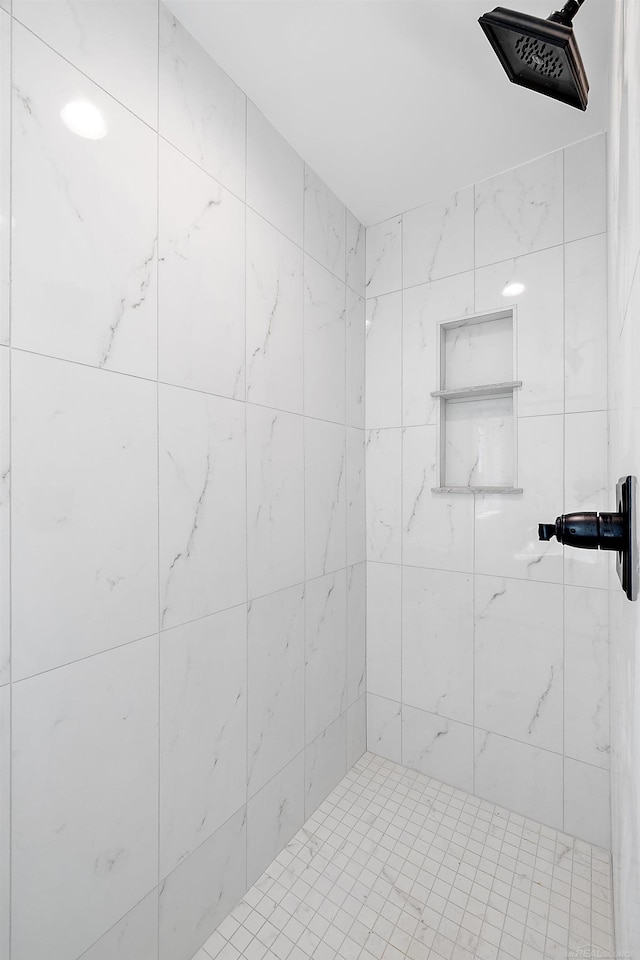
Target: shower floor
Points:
(395, 864)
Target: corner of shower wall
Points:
(487, 651)
(186, 385)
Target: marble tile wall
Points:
(487, 650)
(182, 353)
(624, 428)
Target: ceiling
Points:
(395, 102)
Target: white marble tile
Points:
(115, 44)
(6, 5)
(325, 652)
(356, 632)
(383, 257)
(199, 893)
(438, 747)
(201, 111)
(85, 212)
(539, 325)
(134, 937)
(274, 317)
(84, 541)
(203, 730)
(355, 493)
(383, 392)
(586, 487)
(437, 642)
(275, 176)
(424, 307)
(355, 359)
(519, 660)
(324, 224)
(355, 255)
(586, 803)
(5, 819)
(275, 500)
(520, 777)
(383, 458)
(324, 343)
(85, 737)
(437, 529)
(5, 517)
(585, 318)
(586, 682)
(477, 353)
(276, 684)
(506, 531)
(325, 497)
(384, 735)
(202, 505)
(325, 762)
(438, 239)
(384, 630)
(274, 815)
(201, 338)
(356, 730)
(585, 188)
(5, 174)
(519, 211)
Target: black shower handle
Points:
(590, 531)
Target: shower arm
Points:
(568, 12)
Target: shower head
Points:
(540, 54)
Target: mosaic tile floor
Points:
(395, 864)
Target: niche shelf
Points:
(477, 405)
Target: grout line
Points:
(158, 613)
(246, 503)
(9, 305)
(564, 480)
(402, 479)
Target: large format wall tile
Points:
(135, 937)
(437, 642)
(355, 358)
(519, 660)
(201, 111)
(585, 319)
(274, 815)
(5, 820)
(383, 458)
(356, 632)
(324, 224)
(384, 733)
(585, 188)
(384, 361)
(115, 44)
(325, 497)
(437, 530)
(439, 747)
(324, 343)
(202, 505)
(275, 176)
(519, 211)
(325, 763)
(539, 325)
(5, 516)
(5, 173)
(519, 777)
(85, 780)
(274, 317)
(276, 684)
(201, 339)
(587, 802)
(200, 892)
(325, 652)
(384, 626)
(586, 682)
(355, 493)
(84, 512)
(355, 254)
(384, 257)
(438, 239)
(356, 730)
(203, 730)
(275, 500)
(84, 212)
(586, 488)
(424, 308)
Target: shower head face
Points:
(539, 54)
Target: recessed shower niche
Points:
(477, 442)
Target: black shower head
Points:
(540, 54)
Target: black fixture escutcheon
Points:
(604, 531)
